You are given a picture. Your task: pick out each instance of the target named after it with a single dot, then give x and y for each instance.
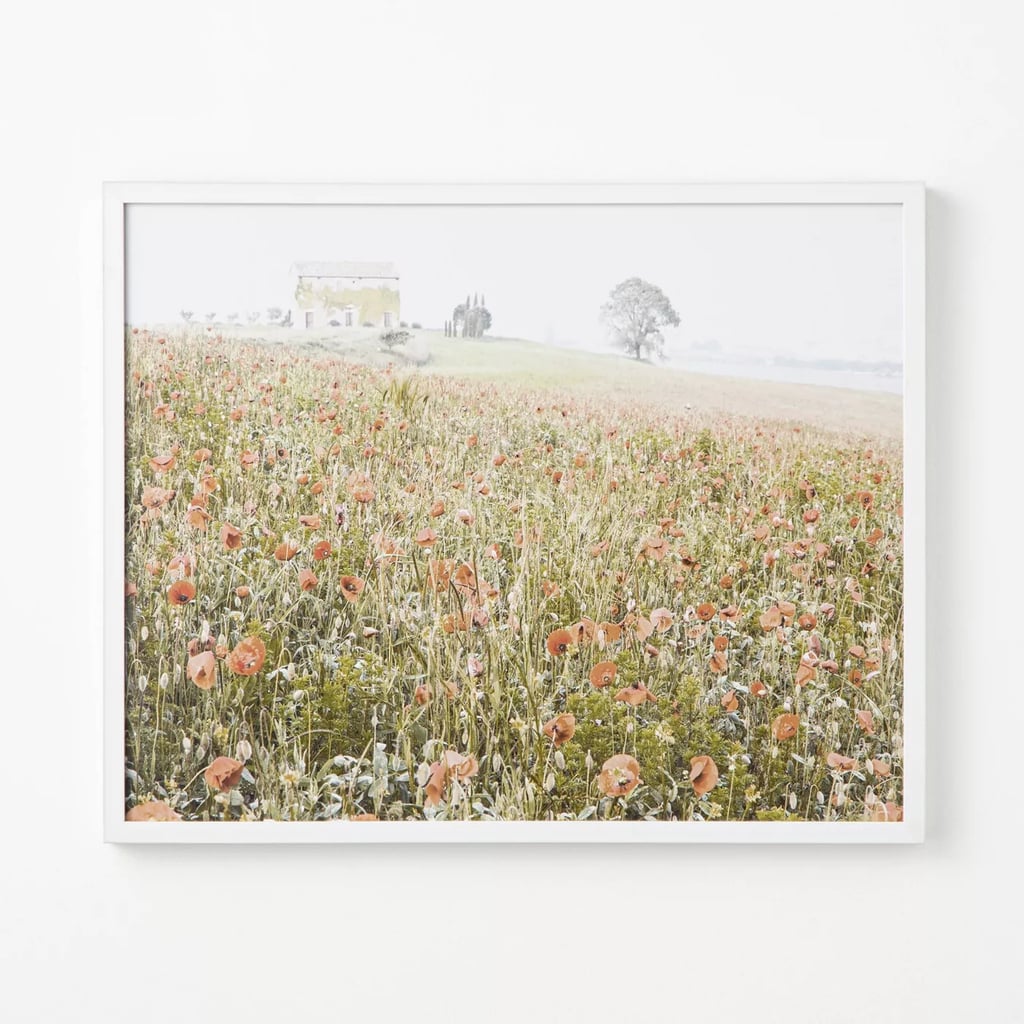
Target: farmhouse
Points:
(346, 294)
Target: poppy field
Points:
(363, 592)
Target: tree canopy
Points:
(636, 312)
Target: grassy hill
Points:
(608, 375)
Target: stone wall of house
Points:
(327, 299)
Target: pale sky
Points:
(813, 281)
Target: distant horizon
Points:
(814, 282)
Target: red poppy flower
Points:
(248, 656)
(202, 670)
(558, 642)
(352, 587)
(224, 773)
(619, 776)
(181, 592)
(560, 729)
(152, 810)
(785, 727)
(230, 537)
(703, 774)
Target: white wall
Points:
(882, 89)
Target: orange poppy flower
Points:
(231, 537)
(321, 550)
(360, 486)
(436, 783)
(242, 591)
(706, 611)
(197, 517)
(439, 571)
(223, 773)
(603, 674)
(719, 662)
(162, 463)
(202, 670)
(856, 651)
(248, 459)
(181, 592)
(805, 673)
(387, 546)
(363, 817)
(886, 812)
(156, 497)
(880, 768)
(202, 455)
(807, 621)
(662, 619)
(421, 695)
(635, 695)
(758, 689)
(560, 729)
(352, 587)
(703, 774)
(248, 656)
(583, 631)
(307, 580)
(550, 589)
(785, 727)
(771, 619)
(558, 642)
(730, 701)
(152, 810)
(866, 722)
(654, 548)
(841, 763)
(426, 537)
(311, 522)
(720, 643)
(607, 633)
(437, 509)
(452, 765)
(619, 776)
(285, 551)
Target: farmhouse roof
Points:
(345, 268)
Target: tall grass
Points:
(572, 488)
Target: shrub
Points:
(391, 339)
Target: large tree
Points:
(636, 312)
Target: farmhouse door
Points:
(309, 319)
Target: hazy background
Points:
(753, 284)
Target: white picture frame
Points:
(909, 197)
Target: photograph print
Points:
(573, 514)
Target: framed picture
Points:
(531, 513)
